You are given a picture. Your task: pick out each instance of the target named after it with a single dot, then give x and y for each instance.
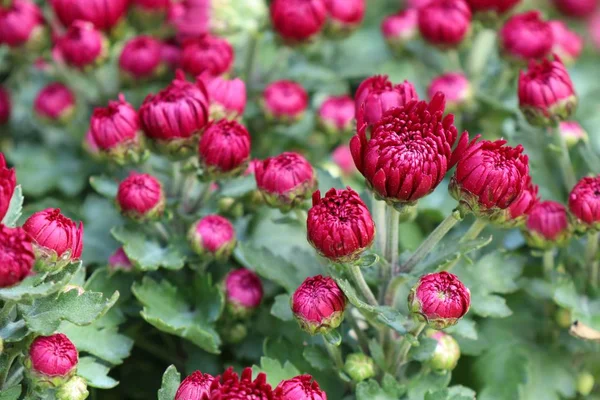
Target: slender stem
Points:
(162, 230)
(591, 256)
(379, 208)
(392, 220)
(335, 353)
(250, 57)
(203, 197)
(301, 216)
(405, 348)
(474, 231)
(566, 166)
(362, 339)
(364, 288)
(548, 261)
(431, 241)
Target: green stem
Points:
(548, 261)
(405, 348)
(301, 216)
(379, 208)
(335, 353)
(591, 256)
(362, 339)
(364, 288)
(251, 47)
(566, 166)
(392, 220)
(474, 231)
(431, 241)
(162, 230)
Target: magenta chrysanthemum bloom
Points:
(455, 86)
(210, 54)
(576, 8)
(336, 115)
(567, 43)
(584, 202)
(57, 239)
(409, 152)
(170, 53)
(489, 178)
(82, 45)
(284, 101)
(572, 132)
(5, 106)
(104, 14)
(229, 386)
(213, 236)
(319, 304)
(175, 116)
(141, 58)
(518, 210)
(119, 261)
(243, 292)
(227, 97)
(21, 24)
(52, 360)
(55, 102)
(342, 157)
(344, 16)
(526, 36)
(17, 258)
(195, 386)
(547, 225)
(400, 28)
(339, 225)
(499, 6)
(8, 182)
(285, 181)
(440, 299)
(298, 20)
(371, 84)
(224, 149)
(302, 387)
(141, 197)
(546, 93)
(445, 22)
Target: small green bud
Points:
(359, 367)
(585, 383)
(446, 353)
(74, 389)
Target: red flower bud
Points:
(547, 225)
(8, 182)
(57, 239)
(104, 14)
(336, 114)
(518, 210)
(567, 44)
(5, 106)
(339, 225)
(344, 16)
(379, 97)
(152, 5)
(17, 258)
(175, 116)
(209, 54)
(584, 202)
(231, 387)
(342, 157)
(170, 53)
(546, 93)
(119, 261)
(224, 149)
(576, 8)
(141, 197)
(141, 57)
(284, 101)
(52, 360)
(489, 178)
(572, 132)
(526, 36)
(409, 152)
(455, 86)
(55, 102)
(286, 180)
(82, 45)
(116, 131)
(302, 387)
(440, 299)
(445, 22)
(227, 97)
(400, 28)
(499, 6)
(298, 20)
(243, 291)
(318, 304)
(21, 23)
(195, 387)
(213, 236)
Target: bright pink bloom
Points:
(227, 97)
(547, 225)
(53, 231)
(55, 102)
(377, 95)
(141, 197)
(302, 387)
(455, 86)
(17, 257)
(231, 387)
(319, 304)
(141, 57)
(576, 8)
(170, 53)
(152, 5)
(500, 6)
(342, 157)
(119, 261)
(224, 148)
(399, 28)
(53, 356)
(519, 208)
(445, 22)
(584, 201)
(5, 106)
(298, 20)
(214, 236)
(191, 19)
(20, 23)
(336, 114)
(526, 36)
(567, 43)
(104, 14)
(209, 54)
(195, 386)
(82, 45)
(243, 290)
(285, 101)
(345, 15)
(8, 182)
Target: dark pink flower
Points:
(53, 232)
(119, 261)
(445, 22)
(224, 149)
(82, 45)
(230, 386)
(17, 257)
(55, 102)
(141, 197)
(336, 114)
(526, 36)
(339, 225)
(547, 225)
(5, 106)
(576, 8)
(594, 29)
(21, 23)
(342, 157)
(8, 182)
(400, 28)
(440, 299)
(319, 304)
(302, 387)
(284, 101)
(227, 97)
(152, 5)
(584, 202)
(455, 86)
(500, 6)
(344, 15)
(170, 53)
(141, 57)
(213, 236)
(104, 14)
(519, 208)
(243, 291)
(298, 20)
(52, 359)
(191, 19)
(567, 43)
(209, 54)
(195, 386)
(377, 95)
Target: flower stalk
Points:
(405, 348)
(363, 287)
(591, 257)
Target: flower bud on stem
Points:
(335, 353)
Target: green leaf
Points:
(95, 373)
(238, 187)
(166, 308)
(281, 308)
(105, 186)
(489, 305)
(275, 371)
(377, 354)
(424, 351)
(419, 386)
(12, 393)
(105, 343)
(317, 357)
(452, 393)
(450, 251)
(170, 384)
(40, 285)
(148, 254)
(100, 216)
(466, 328)
(390, 389)
(582, 308)
(15, 208)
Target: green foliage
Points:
(170, 383)
(275, 371)
(15, 208)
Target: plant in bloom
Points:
(52, 360)
(576, 8)
(445, 23)
(209, 54)
(339, 225)
(141, 58)
(298, 20)
(195, 386)
(17, 257)
(285, 181)
(342, 157)
(119, 261)
(409, 152)
(243, 292)
(584, 203)
(359, 367)
(318, 305)
(499, 6)
(455, 86)
(520, 208)
(81, 46)
(567, 43)
(302, 387)
(230, 386)
(572, 132)
(5, 106)
(547, 225)
(447, 351)
(546, 93)
(284, 101)
(344, 16)
(141, 197)
(336, 115)
(526, 36)
(55, 102)
(489, 178)
(224, 149)
(57, 239)
(227, 97)
(103, 14)
(213, 236)
(400, 28)
(440, 299)
(8, 183)
(21, 24)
